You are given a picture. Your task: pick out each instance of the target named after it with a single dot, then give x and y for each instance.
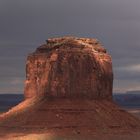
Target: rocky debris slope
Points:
(65, 116)
(68, 90)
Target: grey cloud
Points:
(26, 24)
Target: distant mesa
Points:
(68, 90)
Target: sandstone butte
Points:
(68, 91)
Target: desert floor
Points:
(47, 136)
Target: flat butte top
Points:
(70, 43)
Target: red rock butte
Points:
(68, 90)
(69, 67)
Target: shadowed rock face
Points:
(69, 67)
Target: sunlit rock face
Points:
(69, 67)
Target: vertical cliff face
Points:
(69, 67)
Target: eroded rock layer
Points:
(69, 67)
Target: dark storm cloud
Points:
(26, 24)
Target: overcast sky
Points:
(25, 24)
